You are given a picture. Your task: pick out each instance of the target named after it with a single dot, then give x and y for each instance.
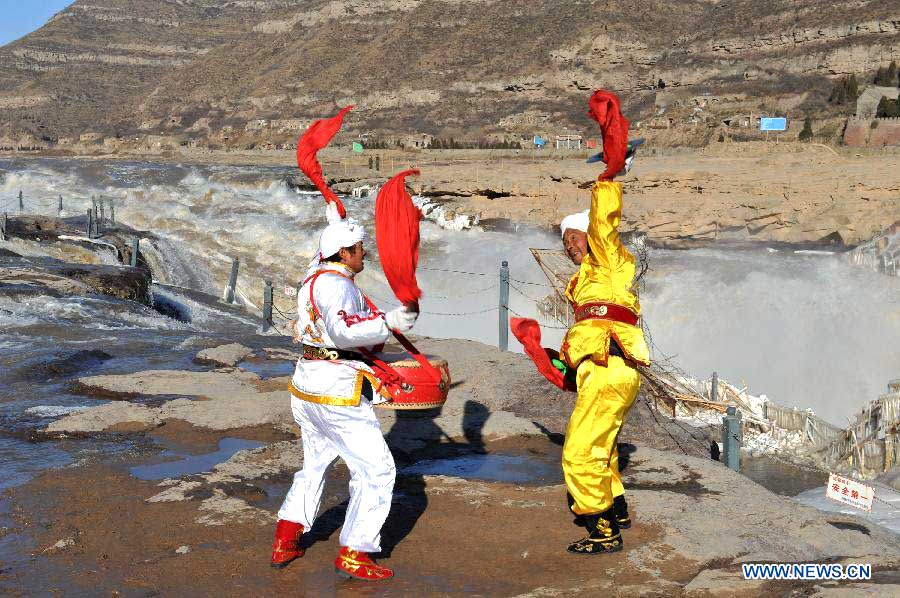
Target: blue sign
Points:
(772, 124)
(539, 141)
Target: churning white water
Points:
(807, 330)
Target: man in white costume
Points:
(332, 404)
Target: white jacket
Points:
(336, 315)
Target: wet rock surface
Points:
(30, 276)
(224, 355)
(63, 367)
(695, 522)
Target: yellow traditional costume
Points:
(607, 384)
(601, 351)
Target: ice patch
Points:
(53, 410)
(885, 509)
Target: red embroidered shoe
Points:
(287, 543)
(354, 564)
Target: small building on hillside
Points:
(417, 141)
(285, 125)
(568, 141)
(867, 102)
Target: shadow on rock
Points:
(410, 498)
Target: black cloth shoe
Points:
(603, 536)
(620, 508)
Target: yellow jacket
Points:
(606, 275)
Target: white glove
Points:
(401, 319)
(332, 214)
(628, 162)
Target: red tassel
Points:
(606, 110)
(317, 136)
(397, 236)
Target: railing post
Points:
(135, 249)
(112, 212)
(96, 223)
(378, 163)
(731, 439)
(60, 209)
(21, 202)
(503, 318)
(267, 306)
(3, 221)
(89, 227)
(714, 388)
(232, 280)
(102, 210)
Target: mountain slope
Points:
(212, 70)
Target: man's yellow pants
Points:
(590, 459)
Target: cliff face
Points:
(222, 71)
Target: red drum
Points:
(418, 388)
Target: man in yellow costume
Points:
(601, 351)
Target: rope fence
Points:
(868, 447)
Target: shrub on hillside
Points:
(885, 76)
(807, 133)
(845, 89)
(887, 108)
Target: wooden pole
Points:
(60, 209)
(503, 319)
(89, 227)
(21, 202)
(3, 221)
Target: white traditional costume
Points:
(336, 417)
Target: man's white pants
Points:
(353, 434)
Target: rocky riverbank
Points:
(204, 526)
(725, 194)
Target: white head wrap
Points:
(344, 233)
(339, 233)
(578, 221)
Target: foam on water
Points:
(97, 313)
(806, 330)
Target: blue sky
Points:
(21, 17)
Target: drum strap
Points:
(382, 370)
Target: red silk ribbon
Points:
(606, 110)
(317, 136)
(397, 236)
